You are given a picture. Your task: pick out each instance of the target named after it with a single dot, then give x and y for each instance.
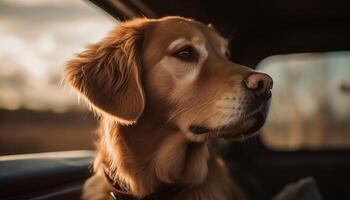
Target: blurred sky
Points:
(36, 38)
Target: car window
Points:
(38, 112)
(310, 107)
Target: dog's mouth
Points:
(258, 117)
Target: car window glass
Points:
(310, 107)
(38, 112)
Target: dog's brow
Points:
(177, 42)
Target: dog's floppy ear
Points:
(108, 73)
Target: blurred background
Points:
(311, 101)
(39, 112)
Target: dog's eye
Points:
(187, 53)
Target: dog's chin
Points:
(247, 129)
(237, 131)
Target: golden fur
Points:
(147, 98)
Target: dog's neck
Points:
(142, 157)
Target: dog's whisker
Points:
(188, 109)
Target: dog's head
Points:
(176, 69)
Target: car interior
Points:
(256, 30)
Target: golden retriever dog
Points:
(163, 90)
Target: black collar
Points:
(168, 191)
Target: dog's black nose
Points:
(260, 84)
